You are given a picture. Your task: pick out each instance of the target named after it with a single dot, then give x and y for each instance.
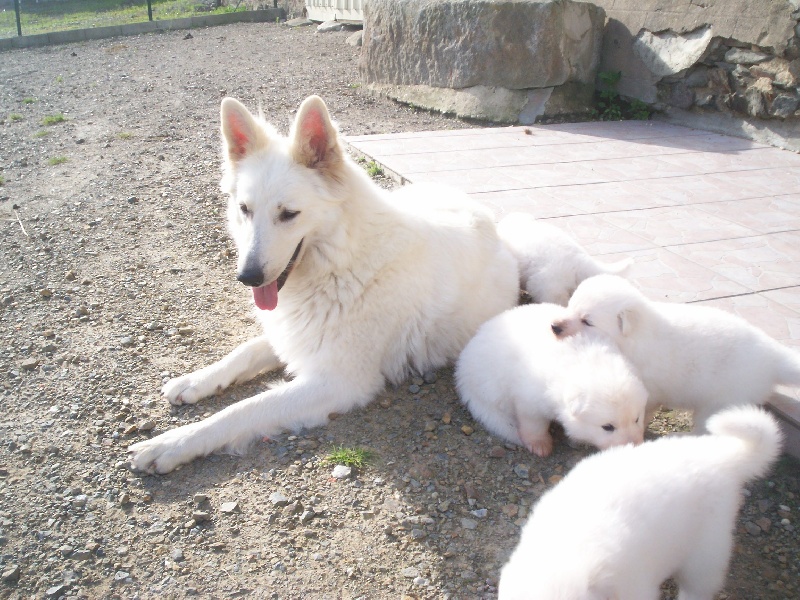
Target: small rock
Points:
(121, 576)
(11, 574)
(30, 364)
(177, 555)
(146, 425)
(446, 418)
(356, 39)
(307, 516)
(764, 524)
(124, 499)
(752, 528)
(278, 499)
(229, 507)
(410, 572)
(497, 452)
(522, 471)
(126, 342)
(198, 499)
(414, 388)
(45, 292)
(341, 472)
(467, 430)
(56, 590)
(469, 524)
(201, 516)
(327, 26)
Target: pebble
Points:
(56, 591)
(229, 507)
(522, 471)
(414, 388)
(11, 573)
(198, 499)
(410, 572)
(307, 516)
(278, 499)
(752, 528)
(497, 452)
(469, 523)
(122, 576)
(429, 377)
(467, 430)
(146, 425)
(200, 516)
(177, 555)
(30, 364)
(341, 472)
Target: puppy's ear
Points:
(626, 320)
(314, 139)
(241, 133)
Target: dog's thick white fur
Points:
(626, 519)
(551, 263)
(379, 285)
(692, 357)
(516, 377)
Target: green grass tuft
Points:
(53, 119)
(28, 100)
(41, 133)
(350, 457)
(13, 117)
(374, 169)
(56, 160)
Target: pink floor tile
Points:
(777, 320)
(676, 225)
(760, 263)
(664, 276)
(533, 201)
(764, 215)
(598, 236)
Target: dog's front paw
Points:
(187, 389)
(163, 453)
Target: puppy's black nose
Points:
(557, 329)
(251, 277)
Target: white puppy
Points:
(625, 520)
(692, 357)
(551, 263)
(516, 377)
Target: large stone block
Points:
(511, 44)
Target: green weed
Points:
(41, 133)
(350, 457)
(53, 119)
(56, 160)
(28, 100)
(13, 117)
(374, 169)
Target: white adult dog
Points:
(692, 357)
(354, 285)
(626, 519)
(516, 377)
(551, 263)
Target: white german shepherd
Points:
(353, 285)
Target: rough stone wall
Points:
(734, 59)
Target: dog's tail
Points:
(758, 432)
(788, 366)
(616, 268)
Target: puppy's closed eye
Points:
(609, 428)
(586, 322)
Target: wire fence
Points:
(28, 17)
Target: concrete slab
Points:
(708, 218)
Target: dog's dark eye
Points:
(608, 427)
(245, 211)
(587, 323)
(287, 215)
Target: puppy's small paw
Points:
(181, 390)
(540, 446)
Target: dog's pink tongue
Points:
(266, 296)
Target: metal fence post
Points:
(19, 24)
(149, 10)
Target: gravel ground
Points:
(117, 273)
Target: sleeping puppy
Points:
(551, 263)
(624, 520)
(516, 377)
(688, 356)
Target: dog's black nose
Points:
(557, 329)
(251, 277)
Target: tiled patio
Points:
(708, 218)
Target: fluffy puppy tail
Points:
(758, 432)
(788, 367)
(616, 268)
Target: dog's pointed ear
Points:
(314, 139)
(241, 133)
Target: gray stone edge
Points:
(97, 33)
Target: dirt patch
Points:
(117, 273)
